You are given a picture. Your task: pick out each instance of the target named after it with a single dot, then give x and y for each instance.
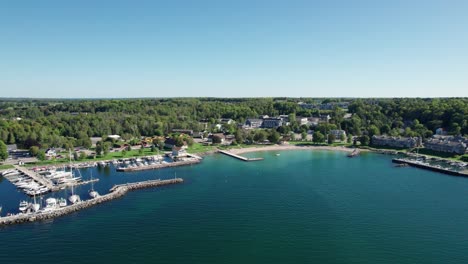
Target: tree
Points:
(153, 148)
(342, 137)
(303, 135)
(41, 155)
(365, 140)
(259, 136)
(106, 147)
(82, 155)
(274, 136)
(318, 137)
(350, 138)
(75, 155)
(239, 136)
(98, 149)
(3, 151)
(331, 138)
(33, 151)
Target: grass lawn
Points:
(199, 148)
(4, 167)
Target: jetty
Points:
(115, 192)
(159, 165)
(37, 177)
(418, 164)
(238, 157)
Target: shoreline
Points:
(289, 147)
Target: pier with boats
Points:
(59, 207)
(427, 166)
(238, 156)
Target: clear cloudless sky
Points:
(241, 48)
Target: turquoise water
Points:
(299, 207)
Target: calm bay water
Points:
(299, 207)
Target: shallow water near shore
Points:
(299, 207)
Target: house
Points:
(302, 120)
(338, 133)
(272, 122)
(219, 135)
(450, 144)
(314, 121)
(114, 137)
(254, 123)
(441, 131)
(398, 142)
(51, 152)
(178, 151)
(226, 121)
(199, 135)
(325, 118)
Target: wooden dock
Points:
(430, 167)
(36, 177)
(238, 157)
(160, 165)
(116, 192)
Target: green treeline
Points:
(68, 123)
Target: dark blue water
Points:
(300, 207)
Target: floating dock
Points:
(115, 192)
(38, 178)
(160, 165)
(238, 157)
(430, 167)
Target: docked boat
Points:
(51, 204)
(74, 198)
(62, 202)
(23, 206)
(92, 193)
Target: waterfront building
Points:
(450, 144)
(272, 122)
(254, 123)
(338, 133)
(397, 142)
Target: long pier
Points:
(160, 165)
(430, 167)
(238, 157)
(115, 192)
(38, 178)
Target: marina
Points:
(188, 161)
(52, 210)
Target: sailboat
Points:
(92, 193)
(35, 206)
(74, 198)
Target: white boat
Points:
(23, 206)
(35, 206)
(51, 204)
(74, 198)
(92, 193)
(62, 202)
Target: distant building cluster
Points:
(398, 142)
(451, 144)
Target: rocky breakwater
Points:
(115, 192)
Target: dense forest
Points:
(67, 123)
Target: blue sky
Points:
(94, 49)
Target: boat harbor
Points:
(53, 209)
(423, 165)
(238, 156)
(39, 182)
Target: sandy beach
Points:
(287, 147)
